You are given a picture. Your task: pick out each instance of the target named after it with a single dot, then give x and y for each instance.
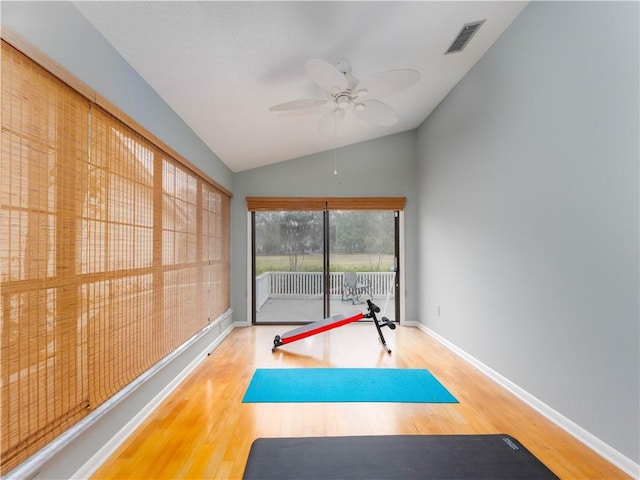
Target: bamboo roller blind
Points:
(324, 203)
(112, 255)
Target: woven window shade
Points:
(272, 204)
(215, 249)
(44, 144)
(112, 254)
(116, 232)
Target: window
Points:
(113, 253)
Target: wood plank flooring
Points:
(204, 431)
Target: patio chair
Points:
(352, 288)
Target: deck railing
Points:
(310, 284)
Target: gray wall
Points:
(382, 167)
(528, 211)
(62, 33)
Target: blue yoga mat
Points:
(291, 385)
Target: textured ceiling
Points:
(221, 65)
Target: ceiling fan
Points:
(344, 91)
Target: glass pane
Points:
(361, 260)
(289, 267)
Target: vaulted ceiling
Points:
(222, 65)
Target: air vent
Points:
(468, 31)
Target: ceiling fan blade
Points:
(298, 104)
(326, 75)
(377, 113)
(383, 84)
(330, 121)
(305, 112)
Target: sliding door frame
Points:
(396, 204)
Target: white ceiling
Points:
(221, 65)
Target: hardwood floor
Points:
(203, 430)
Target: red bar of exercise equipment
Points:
(322, 328)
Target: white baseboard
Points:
(239, 324)
(601, 448)
(112, 445)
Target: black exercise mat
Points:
(395, 457)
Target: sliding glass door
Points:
(363, 260)
(289, 266)
(308, 264)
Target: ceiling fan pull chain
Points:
(335, 144)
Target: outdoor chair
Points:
(353, 288)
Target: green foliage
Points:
(293, 241)
(313, 263)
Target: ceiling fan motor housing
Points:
(342, 99)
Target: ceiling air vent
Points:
(468, 31)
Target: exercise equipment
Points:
(336, 321)
(401, 457)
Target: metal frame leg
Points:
(373, 309)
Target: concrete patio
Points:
(309, 309)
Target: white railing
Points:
(262, 289)
(309, 284)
